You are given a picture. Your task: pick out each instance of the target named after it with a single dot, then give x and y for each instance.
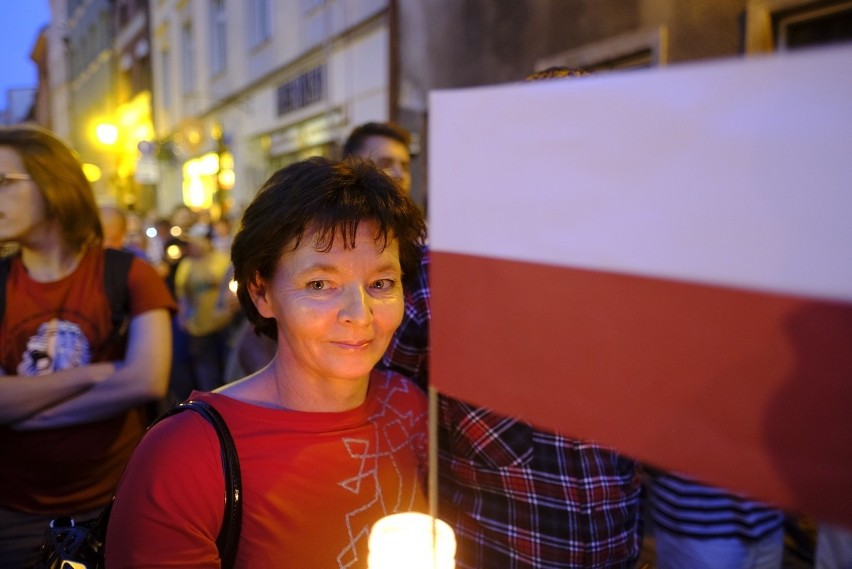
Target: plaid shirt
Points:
(518, 497)
(521, 498)
(408, 352)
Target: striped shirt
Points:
(686, 507)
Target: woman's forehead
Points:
(367, 243)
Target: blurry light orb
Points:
(208, 164)
(106, 133)
(151, 232)
(227, 179)
(175, 231)
(92, 172)
(173, 252)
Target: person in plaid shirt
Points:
(516, 496)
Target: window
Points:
(72, 7)
(779, 25)
(310, 5)
(816, 25)
(218, 46)
(187, 59)
(94, 42)
(304, 90)
(630, 51)
(259, 22)
(123, 14)
(166, 79)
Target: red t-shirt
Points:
(59, 325)
(313, 483)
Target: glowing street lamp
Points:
(106, 133)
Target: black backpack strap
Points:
(229, 535)
(116, 270)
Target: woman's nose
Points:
(356, 306)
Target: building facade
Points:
(209, 97)
(245, 87)
(447, 44)
(100, 91)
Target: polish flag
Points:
(660, 261)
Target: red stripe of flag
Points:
(746, 390)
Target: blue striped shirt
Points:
(686, 507)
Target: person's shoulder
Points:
(390, 386)
(180, 435)
(187, 427)
(391, 379)
(141, 264)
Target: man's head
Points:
(114, 222)
(387, 145)
(556, 72)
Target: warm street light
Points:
(92, 172)
(106, 133)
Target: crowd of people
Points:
(307, 328)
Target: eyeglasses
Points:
(7, 178)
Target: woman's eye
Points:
(316, 285)
(384, 284)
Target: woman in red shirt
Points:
(326, 445)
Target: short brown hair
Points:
(332, 197)
(556, 72)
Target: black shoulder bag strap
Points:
(63, 541)
(229, 535)
(5, 264)
(116, 270)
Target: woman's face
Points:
(22, 207)
(337, 311)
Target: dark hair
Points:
(56, 171)
(556, 72)
(387, 129)
(331, 198)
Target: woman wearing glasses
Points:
(75, 379)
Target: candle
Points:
(405, 540)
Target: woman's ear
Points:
(259, 291)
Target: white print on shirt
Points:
(395, 434)
(57, 345)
